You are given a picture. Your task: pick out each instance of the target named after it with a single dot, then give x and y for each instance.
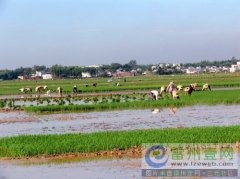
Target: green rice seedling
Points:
(206, 97)
(53, 144)
(2, 104)
(110, 96)
(118, 99)
(95, 100)
(68, 99)
(48, 102)
(61, 102)
(86, 100)
(10, 105)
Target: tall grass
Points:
(33, 145)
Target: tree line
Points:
(59, 71)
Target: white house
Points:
(192, 70)
(47, 77)
(86, 75)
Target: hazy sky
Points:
(88, 32)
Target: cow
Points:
(206, 86)
(95, 84)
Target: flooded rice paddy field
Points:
(76, 168)
(17, 123)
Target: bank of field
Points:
(132, 83)
(197, 97)
(35, 145)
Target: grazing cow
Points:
(180, 87)
(95, 84)
(206, 86)
(86, 85)
(59, 89)
(189, 90)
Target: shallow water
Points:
(17, 123)
(91, 169)
(86, 168)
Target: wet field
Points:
(77, 168)
(18, 123)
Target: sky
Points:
(91, 32)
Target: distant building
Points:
(47, 77)
(39, 73)
(86, 75)
(154, 68)
(192, 70)
(234, 68)
(22, 77)
(147, 73)
(124, 74)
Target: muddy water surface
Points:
(91, 168)
(75, 168)
(16, 123)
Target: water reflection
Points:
(170, 109)
(157, 110)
